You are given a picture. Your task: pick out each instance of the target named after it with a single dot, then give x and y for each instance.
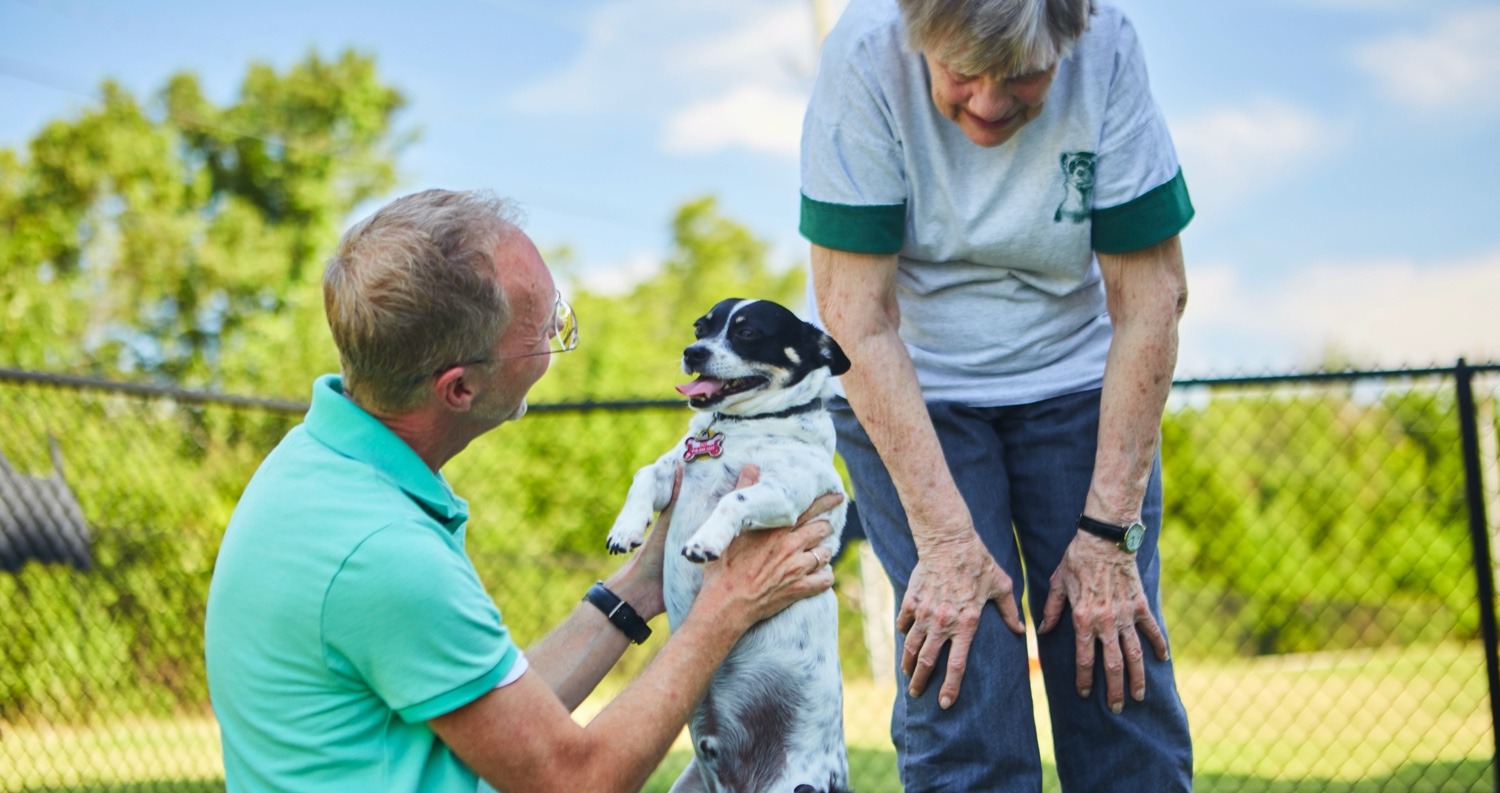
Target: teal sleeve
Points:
(1155, 216)
(406, 615)
(856, 229)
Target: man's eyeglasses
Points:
(563, 338)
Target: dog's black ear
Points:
(833, 354)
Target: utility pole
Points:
(825, 13)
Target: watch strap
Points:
(620, 614)
(1099, 528)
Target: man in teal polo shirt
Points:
(350, 643)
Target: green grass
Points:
(131, 755)
(1419, 716)
(1414, 720)
(873, 771)
(870, 771)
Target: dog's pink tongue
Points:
(703, 386)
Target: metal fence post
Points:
(1479, 536)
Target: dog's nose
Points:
(694, 356)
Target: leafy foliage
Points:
(177, 240)
(1317, 520)
(631, 344)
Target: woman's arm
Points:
(955, 574)
(1147, 291)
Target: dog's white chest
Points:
(704, 482)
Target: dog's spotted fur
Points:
(772, 719)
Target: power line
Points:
(47, 78)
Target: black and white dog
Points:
(772, 719)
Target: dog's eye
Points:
(700, 328)
(746, 333)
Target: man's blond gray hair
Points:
(1004, 37)
(413, 288)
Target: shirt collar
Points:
(336, 422)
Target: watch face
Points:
(1134, 534)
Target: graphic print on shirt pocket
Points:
(1078, 187)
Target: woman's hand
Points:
(951, 583)
(1109, 606)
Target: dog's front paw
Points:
(629, 530)
(619, 546)
(697, 552)
(709, 541)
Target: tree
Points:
(631, 346)
(173, 241)
(1319, 518)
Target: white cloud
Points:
(769, 43)
(1378, 313)
(619, 277)
(1453, 66)
(713, 76)
(751, 116)
(617, 50)
(1230, 151)
(769, 62)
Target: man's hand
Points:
(639, 581)
(1104, 587)
(948, 588)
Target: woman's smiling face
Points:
(989, 108)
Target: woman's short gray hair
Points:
(413, 288)
(1008, 37)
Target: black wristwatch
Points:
(620, 614)
(1128, 538)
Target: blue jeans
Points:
(1024, 471)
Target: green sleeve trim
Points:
(464, 694)
(1139, 223)
(856, 229)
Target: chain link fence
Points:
(1324, 556)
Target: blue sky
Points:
(1342, 153)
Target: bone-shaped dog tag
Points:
(705, 444)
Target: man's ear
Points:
(453, 390)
